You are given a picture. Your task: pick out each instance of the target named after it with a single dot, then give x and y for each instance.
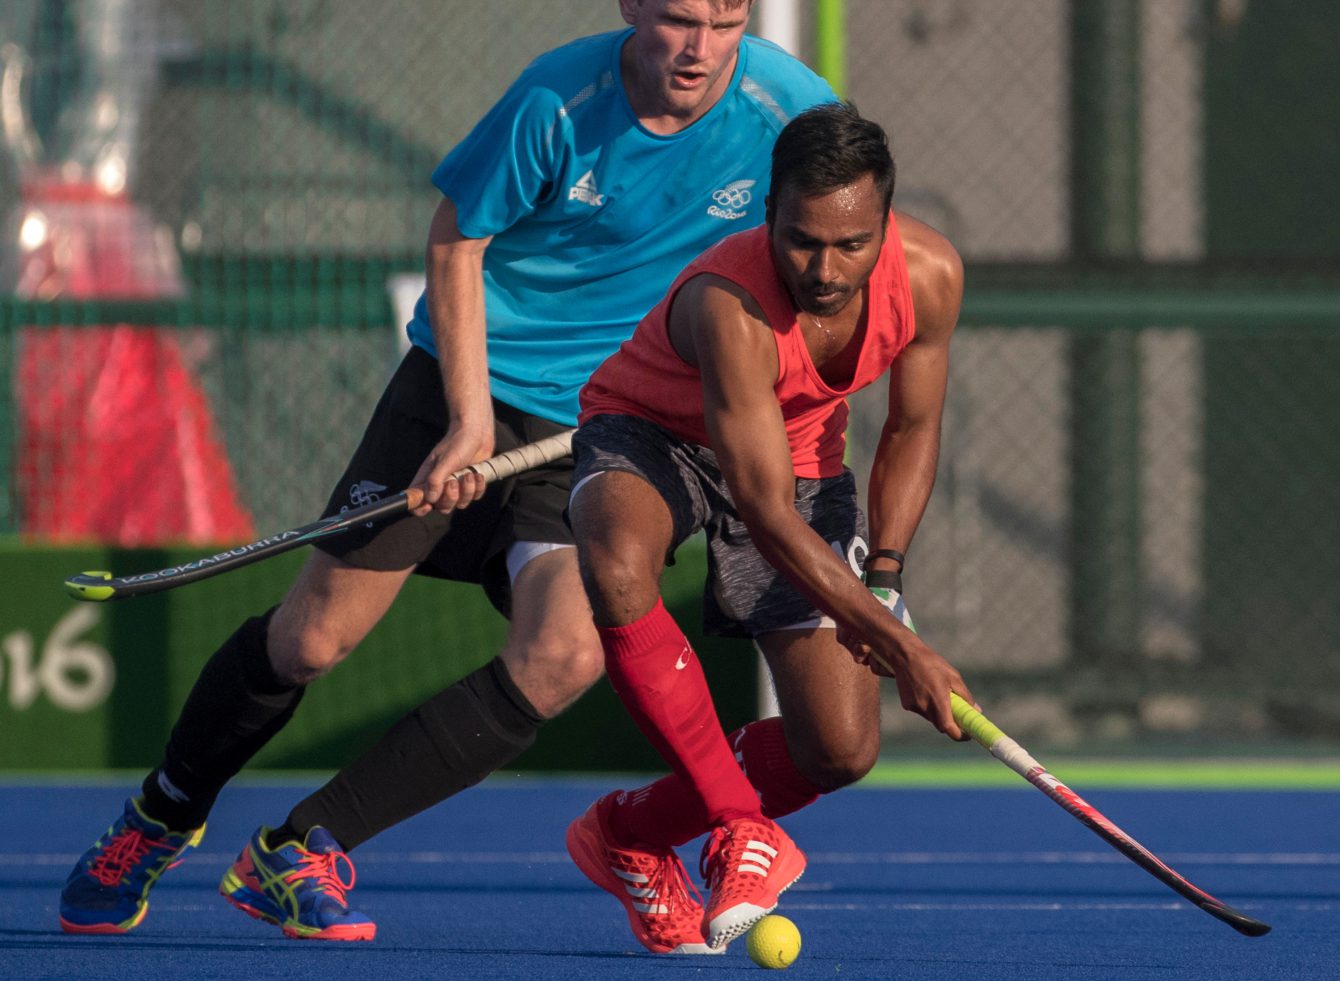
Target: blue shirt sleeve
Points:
(505, 166)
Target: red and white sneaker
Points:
(747, 865)
(664, 909)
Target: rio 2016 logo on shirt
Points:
(730, 201)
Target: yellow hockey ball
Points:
(774, 942)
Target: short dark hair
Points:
(830, 146)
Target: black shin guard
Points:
(235, 707)
(450, 742)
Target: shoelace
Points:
(724, 851)
(121, 855)
(325, 869)
(671, 884)
(712, 862)
(671, 880)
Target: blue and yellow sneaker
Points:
(297, 887)
(108, 891)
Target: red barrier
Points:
(117, 443)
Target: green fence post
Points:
(830, 42)
(1105, 387)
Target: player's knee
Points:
(586, 663)
(583, 665)
(554, 671)
(601, 569)
(620, 584)
(302, 653)
(837, 762)
(577, 658)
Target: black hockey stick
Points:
(102, 586)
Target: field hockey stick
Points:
(1005, 749)
(101, 586)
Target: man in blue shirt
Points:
(609, 164)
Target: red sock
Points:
(667, 813)
(761, 750)
(660, 682)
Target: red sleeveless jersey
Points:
(647, 378)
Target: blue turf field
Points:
(902, 883)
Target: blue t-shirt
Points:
(592, 215)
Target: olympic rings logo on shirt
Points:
(734, 195)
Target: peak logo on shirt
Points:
(585, 190)
(729, 202)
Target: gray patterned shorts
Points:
(744, 596)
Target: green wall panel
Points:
(96, 685)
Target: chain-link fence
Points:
(1132, 534)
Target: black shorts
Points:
(744, 595)
(469, 545)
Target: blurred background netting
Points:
(210, 212)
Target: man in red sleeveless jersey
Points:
(726, 412)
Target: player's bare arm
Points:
(720, 328)
(903, 472)
(455, 275)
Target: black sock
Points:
(235, 707)
(450, 742)
(285, 832)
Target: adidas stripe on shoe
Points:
(664, 910)
(747, 865)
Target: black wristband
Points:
(888, 553)
(884, 579)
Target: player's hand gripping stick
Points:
(1005, 749)
(101, 586)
